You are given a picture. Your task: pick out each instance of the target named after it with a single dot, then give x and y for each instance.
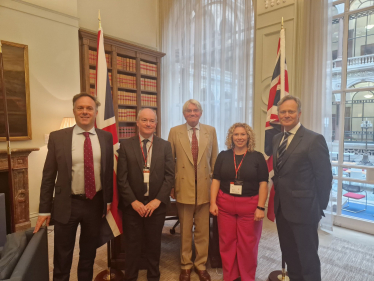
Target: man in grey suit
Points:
(145, 175)
(302, 182)
(79, 171)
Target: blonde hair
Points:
(250, 134)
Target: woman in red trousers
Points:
(237, 197)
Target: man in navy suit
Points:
(145, 175)
(302, 182)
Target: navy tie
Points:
(145, 164)
(282, 149)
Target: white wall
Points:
(50, 29)
(68, 7)
(133, 21)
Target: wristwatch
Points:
(260, 208)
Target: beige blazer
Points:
(184, 168)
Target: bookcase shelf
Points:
(149, 92)
(128, 64)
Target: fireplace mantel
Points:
(20, 167)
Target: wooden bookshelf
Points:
(133, 70)
(150, 61)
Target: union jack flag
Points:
(278, 89)
(106, 120)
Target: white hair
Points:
(192, 101)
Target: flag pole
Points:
(9, 151)
(108, 274)
(281, 275)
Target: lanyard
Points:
(237, 168)
(141, 148)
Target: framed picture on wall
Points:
(16, 79)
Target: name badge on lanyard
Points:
(146, 168)
(146, 175)
(237, 186)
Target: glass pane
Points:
(358, 129)
(334, 150)
(337, 51)
(337, 9)
(360, 64)
(360, 4)
(370, 24)
(358, 198)
(334, 192)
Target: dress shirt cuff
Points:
(44, 214)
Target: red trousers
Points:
(239, 236)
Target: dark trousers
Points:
(299, 245)
(88, 214)
(136, 228)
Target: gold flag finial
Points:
(99, 20)
(282, 22)
(1, 50)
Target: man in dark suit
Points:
(81, 158)
(145, 175)
(302, 182)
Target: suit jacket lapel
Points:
(100, 136)
(67, 144)
(156, 153)
(294, 143)
(203, 141)
(185, 142)
(137, 151)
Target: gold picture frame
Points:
(16, 77)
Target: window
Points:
(352, 153)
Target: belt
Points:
(83, 196)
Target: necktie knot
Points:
(86, 134)
(287, 134)
(145, 141)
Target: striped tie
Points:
(282, 149)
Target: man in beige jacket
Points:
(195, 148)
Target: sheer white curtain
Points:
(209, 57)
(314, 80)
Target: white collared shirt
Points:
(292, 132)
(77, 155)
(190, 133)
(149, 155)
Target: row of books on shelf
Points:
(148, 68)
(148, 84)
(149, 100)
(127, 98)
(127, 132)
(126, 81)
(126, 114)
(126, 64)
(92, 58)
(93, 77)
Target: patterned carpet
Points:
(341, 260)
